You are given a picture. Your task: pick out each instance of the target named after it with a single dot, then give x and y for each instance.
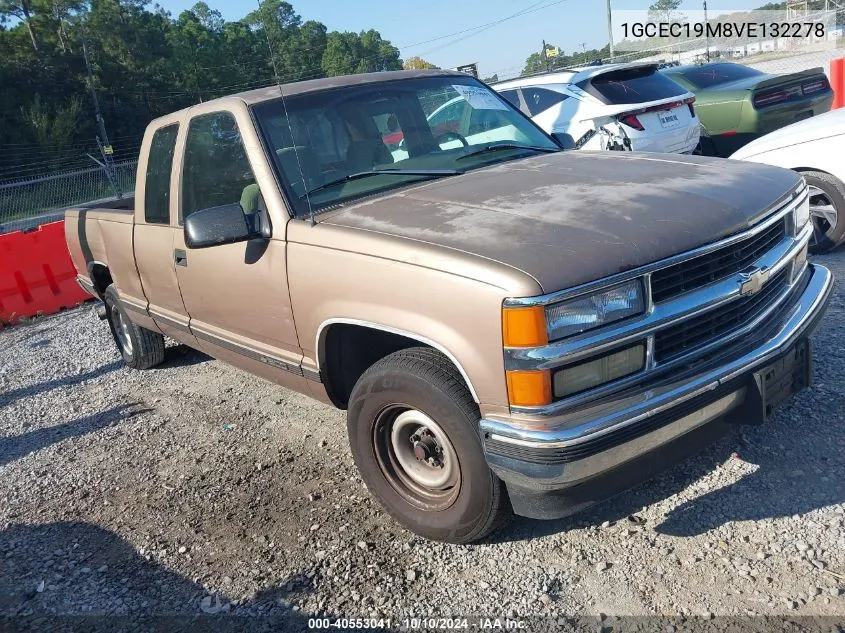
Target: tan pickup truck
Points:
(509, 326)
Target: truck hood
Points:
(573, 217)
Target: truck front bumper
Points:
(607, 447)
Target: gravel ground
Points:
(195, 488)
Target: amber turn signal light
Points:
(524, 327)
(529, 388)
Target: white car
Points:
(616, 106)
(816, 149)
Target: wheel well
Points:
(100, 277)
(348, 350)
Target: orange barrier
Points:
(36, 273)
(837, 82)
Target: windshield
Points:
(426, 127)
(717, 74)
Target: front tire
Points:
(413, 429)
(140, 348)
(827, 210)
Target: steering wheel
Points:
(450, 136)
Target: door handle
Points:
(181, 257)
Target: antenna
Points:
(287, 118)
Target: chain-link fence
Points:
(27, 202)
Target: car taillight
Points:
(690, 104)
(631, 120)
(815, 85)
(770, 98)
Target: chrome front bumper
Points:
(568, 451)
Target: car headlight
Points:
(801, 215)
(598, 371)
(535, 326)
(592, 311)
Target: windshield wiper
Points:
(430, 173)
(499, 146)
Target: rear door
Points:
(236, 294)
(155, 229)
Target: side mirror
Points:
(215, 226)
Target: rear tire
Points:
(827, 210)
(414, 433)
(140, 348)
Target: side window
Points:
(157, 182)
(512, 96)
(540, 99)
(216, 170)
(449, 118)
(486, 120)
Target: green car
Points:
(737, 104)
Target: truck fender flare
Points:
(321, 338)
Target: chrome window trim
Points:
(662, 315)
(780, 210)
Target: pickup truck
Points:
(509, 327)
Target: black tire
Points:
(145, 348)
(825, 236)
(705, 145)
(423, 380)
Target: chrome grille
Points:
(700, 271)
(698, 331)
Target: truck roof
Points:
(327, 83)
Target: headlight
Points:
(595, 310)
(801, 215)
(598, 371)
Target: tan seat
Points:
(297, 163)
(366, 154)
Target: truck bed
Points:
(102, 235)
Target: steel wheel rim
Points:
(823, 214)
(121, 331)
(417, 458)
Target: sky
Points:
(418, 28)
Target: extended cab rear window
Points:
(159, 166)
(717, 74)
(632, 85)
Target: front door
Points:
(235, 294)
(155, 231)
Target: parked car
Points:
(615, 106)
(737, 104)
(815, 149)
(456, 115)
(508, 326)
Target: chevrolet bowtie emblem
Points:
(751, 281)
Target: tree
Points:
(278, 23)
(146, 63)
(417, 63)
(538, 62)
(11, 10)
(350, 53)
(491, 80)
(211, 19)
(664, 11)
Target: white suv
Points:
(617, 106)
